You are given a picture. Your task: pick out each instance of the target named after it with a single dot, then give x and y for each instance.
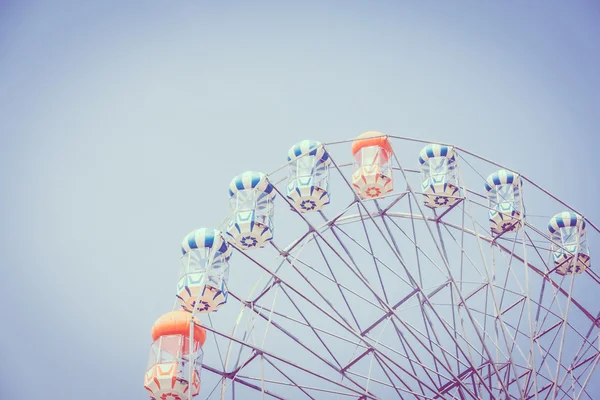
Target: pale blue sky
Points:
(122, 124)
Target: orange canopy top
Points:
(369, 139)
(177, 323)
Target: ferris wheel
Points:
(383, 267)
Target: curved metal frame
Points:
(445, 354)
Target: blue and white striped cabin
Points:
(308, 185)
(570, 250)
(439, 175)
(204, 271)
(506, 212)
(251, 201)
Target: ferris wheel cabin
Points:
(504, 196)
(372, 177)
(439, 176)
(570, 250)
(168, 374)
(308, 185)
(251, 202)
(204, 271)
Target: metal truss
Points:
(386, 298)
